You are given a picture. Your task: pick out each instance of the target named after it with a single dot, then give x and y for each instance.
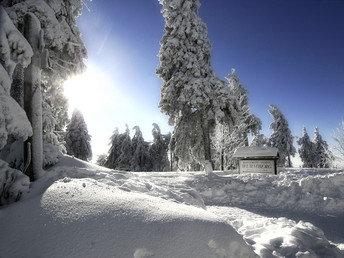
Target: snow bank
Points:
(79, 209)
(86, 218)
(278, 237)
(289, 191)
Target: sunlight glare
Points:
(89, 91)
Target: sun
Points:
(87, 90)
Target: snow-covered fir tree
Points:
(281, 136)
(306, 149)
(14, 49)
(101, 159)
(338, 136)
(158, 150)
(233, 136)
(115, 150)
(66, 54)
(191, 91)
(259, 140)
(140, 160)
(77, 137)
(323, 157)
(249, 123)
(125, 156)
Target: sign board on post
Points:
(257, 159)
(256, 166)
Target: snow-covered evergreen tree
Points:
(14, 49)
(55, 117)
(247, 122)
(101, 159)
(231, 136)
(339, 139)
(158, 150)
(77, 137)
(259, 140)
(306, 149)
(66, 53)
(191, 91)
(281, 136)
(115, 150)
(125, 157)
(140, 160)
(323, 157)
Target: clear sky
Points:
(287, 53)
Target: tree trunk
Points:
(17, 88)
(222, 159)
(33, 96)
(289, 161)
(207, 142)
(246, 139)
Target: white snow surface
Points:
(83, 210)
(255, 151)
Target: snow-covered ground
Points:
(83, 210)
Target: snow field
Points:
(83, 210)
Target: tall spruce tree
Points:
(66, 56)
(281, 136)
(158, 150)
(259, 140)
(191, 91)
(115, 150)
(77, 137)
(101, 159)
(245, 123)
(306, 149)
(125, 156)
(323, 157)
(339, 139)
(140, 160)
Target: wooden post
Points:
(33, 96)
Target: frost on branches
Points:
(77, 137)
(140, 160)
(234, 136)
(191, 91)
(14, 49)
(306, 149)
(281, 136)
(66, 54)
(158, 150)
(323, 157)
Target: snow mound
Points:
(91, 219)
(278, 237)
(319, 194)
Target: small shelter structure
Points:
(256, 159)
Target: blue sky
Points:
(287, 53)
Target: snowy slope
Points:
(83, 210)
(84, 217)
